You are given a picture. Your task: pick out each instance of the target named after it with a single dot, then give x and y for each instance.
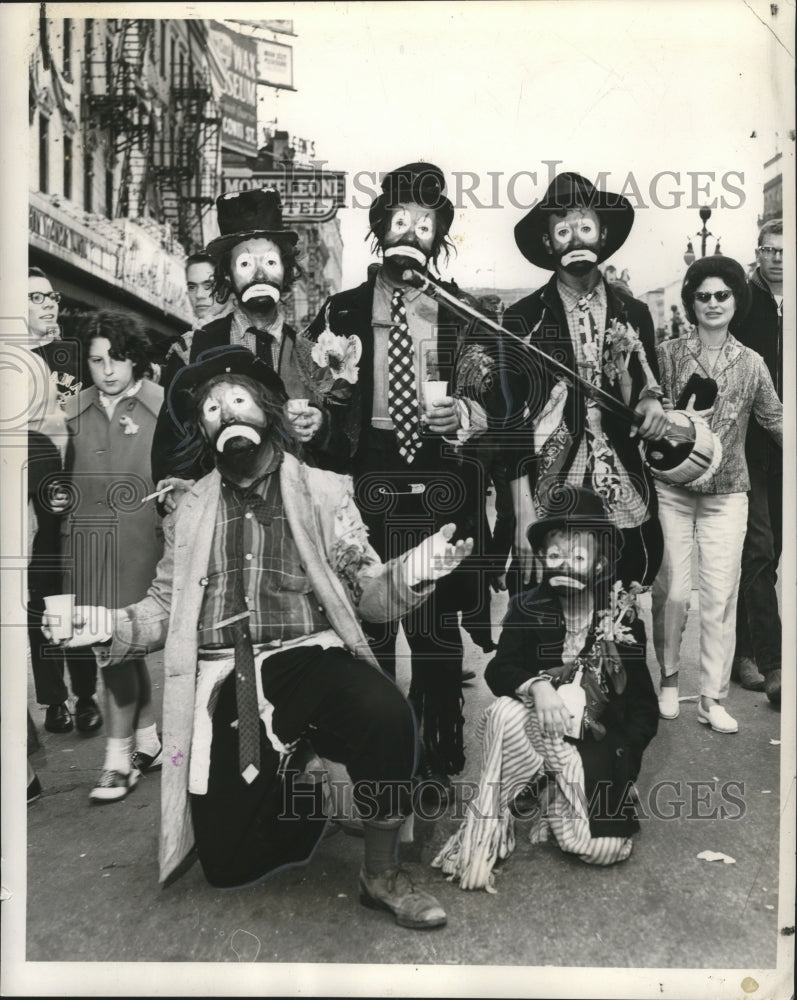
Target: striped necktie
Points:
(402, 396)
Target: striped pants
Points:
(514, 750)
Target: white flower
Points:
(129, 425)
(340, 355)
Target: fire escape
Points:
(186, 170)
(117, 101)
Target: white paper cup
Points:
(296, 406)
(433, 391)
(60, 608)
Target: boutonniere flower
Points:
(329, 366)
(130, 427)
(613, 622)
(339, 356)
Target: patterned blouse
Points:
(744, 386)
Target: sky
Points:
(502, 90)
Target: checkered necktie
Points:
(402, 397)
(245, 682)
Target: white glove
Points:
(91, 625)
(551, 415)
(435, 557)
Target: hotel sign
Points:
(307, 195)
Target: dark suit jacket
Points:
(350, 312)
(532, 640)
(527, 382)
(762, 331)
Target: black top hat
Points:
(568, 191)
(244, 215)
(228, 359)
(577, 508)
(422, 183)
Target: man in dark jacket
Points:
(406, 454)
(553, 432)
(256, 264)
(758, 627)
(574, 700)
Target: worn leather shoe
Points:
(772, 686)
(88, 716)
(746, 673)
(394, 891)
(57, 719)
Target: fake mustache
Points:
(577, 255)
(237, 431)
(260, 290)
(407, 250)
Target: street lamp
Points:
(703, 233)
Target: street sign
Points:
(307, 195)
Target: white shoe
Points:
(669, 707)
(717, 718)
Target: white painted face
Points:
(257, 272)
(575, 240)
(569, 559)
(110, 375)
(411, 232)
(230, 411)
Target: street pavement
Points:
(93, 892)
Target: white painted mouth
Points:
(407, 251)
(580, 254)
(567, 581)
(237, 430)
(261, 291)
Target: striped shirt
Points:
(252, 536)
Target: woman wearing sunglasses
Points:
(726, 383)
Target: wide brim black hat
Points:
(568, 191)
(575, 508)
(249, 215)
(421, 183)
(229, 359)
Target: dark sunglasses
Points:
(37, 298)
(722, 296)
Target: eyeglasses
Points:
(722, 296)
(771, 251)
(37, 298)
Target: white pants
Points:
(718, 524)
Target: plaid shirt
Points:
(633, 511)
(278, 594)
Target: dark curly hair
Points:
(222, 283)
(716, 266)
(128, 339)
